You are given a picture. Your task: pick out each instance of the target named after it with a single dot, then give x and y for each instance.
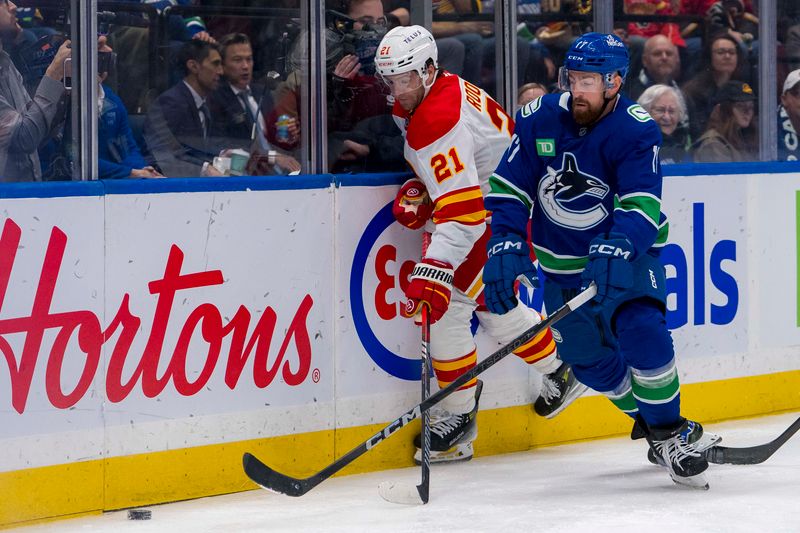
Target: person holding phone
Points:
(24, 121)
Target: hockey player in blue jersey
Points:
(583, 166)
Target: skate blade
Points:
(571, 396)
(696, 482)
(458, 453)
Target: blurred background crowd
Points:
(210, 88)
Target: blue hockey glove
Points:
(509, 258)
(609, 266)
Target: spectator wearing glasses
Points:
(789, 118)
(731, 134)
(25, 122)
(667, 106)
(722, 61)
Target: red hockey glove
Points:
(430, 284)
(412, 205)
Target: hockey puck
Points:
(139, 514)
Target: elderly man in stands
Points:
(24, 121)
(661, 64)
(178, 128)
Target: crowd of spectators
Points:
(230, 101)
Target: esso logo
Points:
(383, 260)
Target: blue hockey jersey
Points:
(576, 183)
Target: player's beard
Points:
(586, 114)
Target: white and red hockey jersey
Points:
(454, 141)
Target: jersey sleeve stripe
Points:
(663, 234)
(501, 187)
(646, 205)
(458, 196)
(463, 206)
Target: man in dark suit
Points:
(178, 129)
(238, 101)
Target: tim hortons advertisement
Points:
(186, 309)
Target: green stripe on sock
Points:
(626, 403)
(650, 392)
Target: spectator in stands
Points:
(25, 122)
(661, 64)
(529, 92)
(731, 134)
(118, 154)
(666, 105)
(238, 101)
(639, 32)
(722, 61)
(178, 126)
(789, 118)
(361, 135)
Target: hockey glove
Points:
(430, 284)
(509, 258)
(412, 206)
(609, 266)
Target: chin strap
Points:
(428, 87)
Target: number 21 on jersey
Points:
(446, 165)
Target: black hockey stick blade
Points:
(274, 481)
(269, 479)
(750, 455)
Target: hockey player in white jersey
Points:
(455, 135)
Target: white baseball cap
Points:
(791, 80)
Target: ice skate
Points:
(451, 435)
(702, 440)
(559, 389)
(678, 448)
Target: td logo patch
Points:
(546, 147)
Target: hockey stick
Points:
(750, 455)
(402, 493)
(283, 484)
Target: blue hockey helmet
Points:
(597, 52)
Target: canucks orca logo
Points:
(571, 198)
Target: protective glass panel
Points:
(361, 133)
(209, 90)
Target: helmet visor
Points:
(402, 83)
(580, 81)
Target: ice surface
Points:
(596, 486)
